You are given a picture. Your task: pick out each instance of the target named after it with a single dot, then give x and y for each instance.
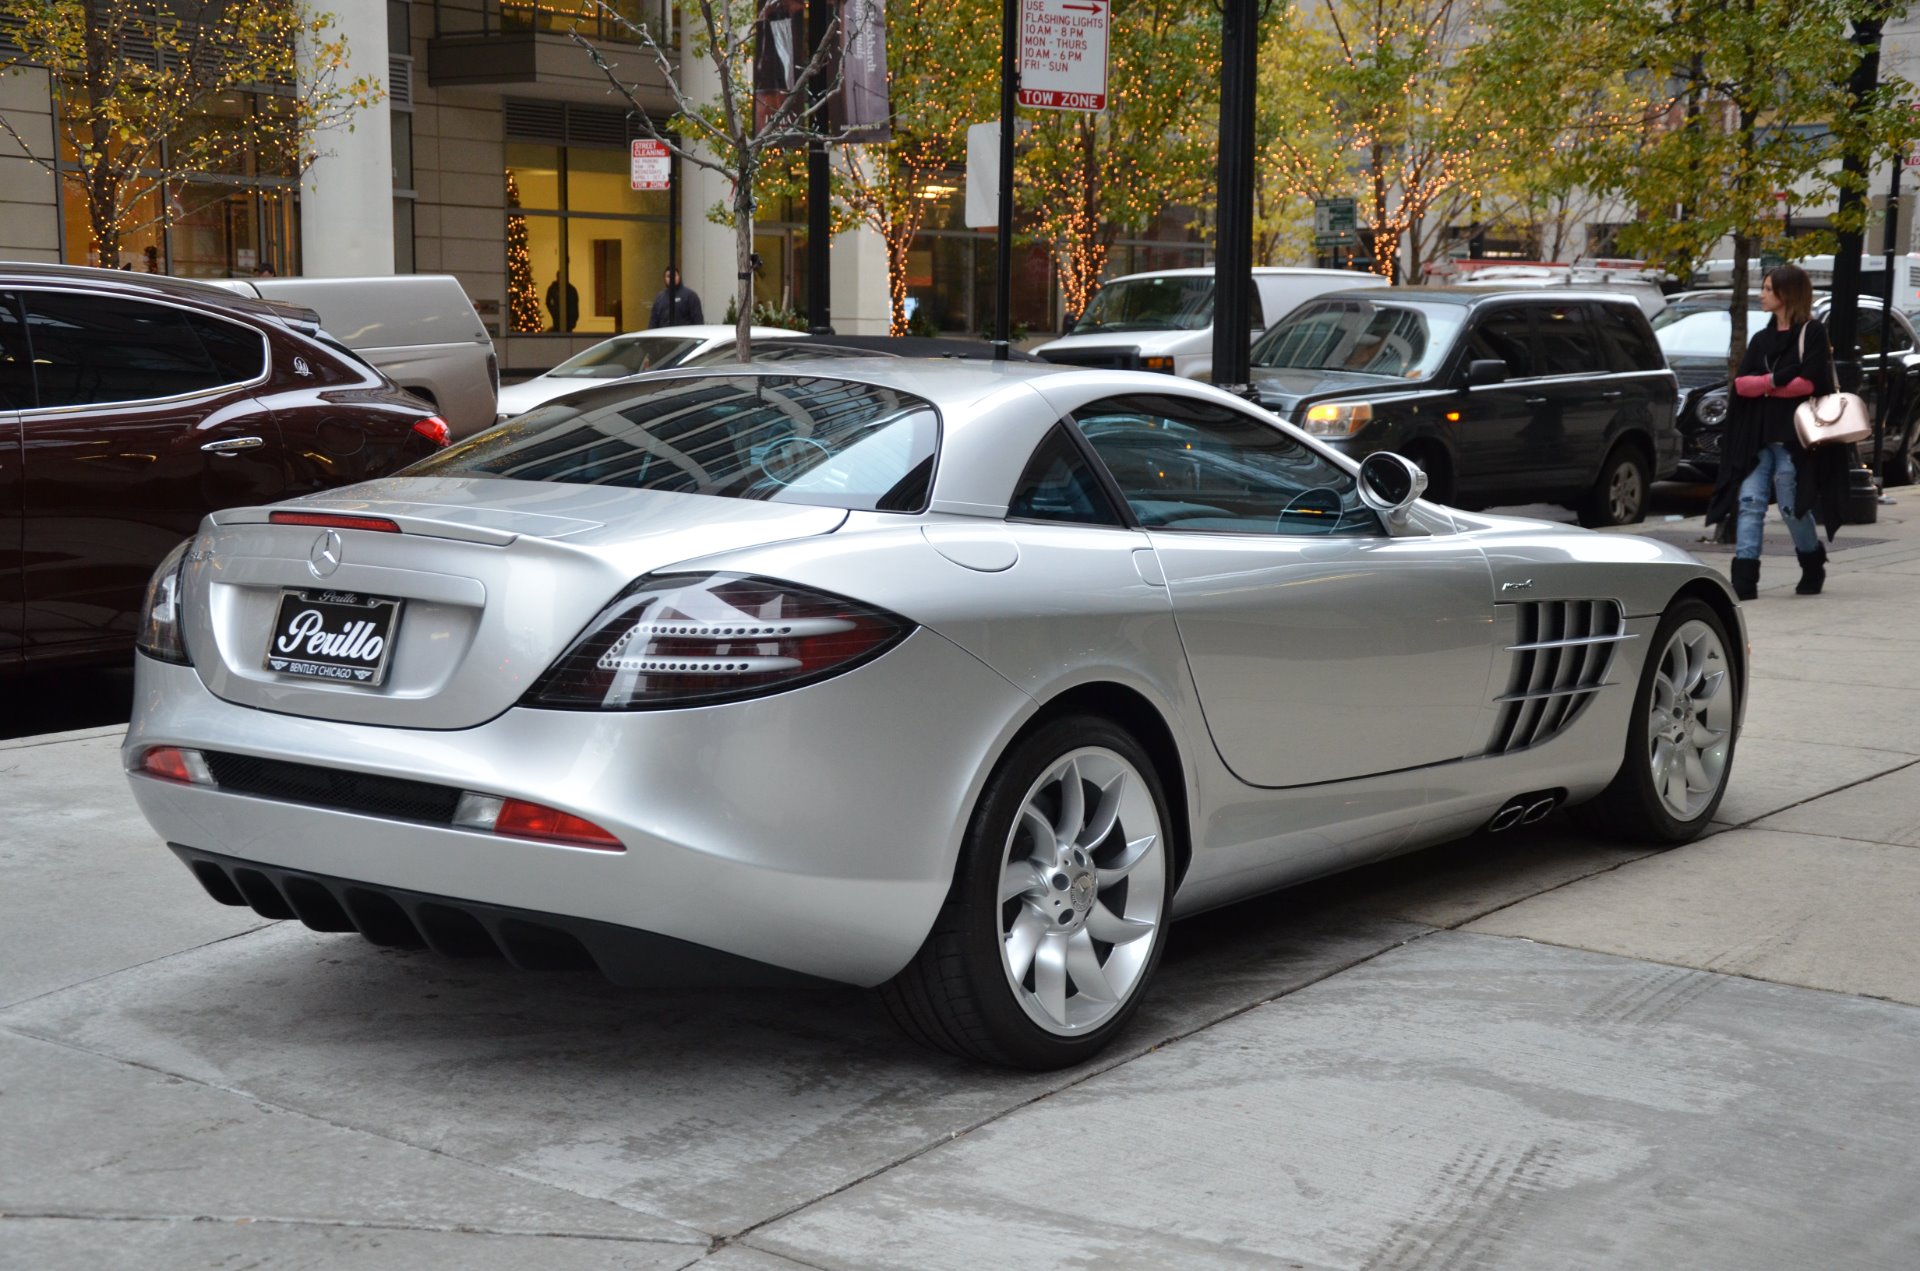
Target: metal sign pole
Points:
(1003, 267)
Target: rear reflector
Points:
(335, 521)
(171, 763)
(518, 818)
(434, 428)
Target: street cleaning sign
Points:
(1063, 54)
(652, 166)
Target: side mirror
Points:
(1389, 483)
(1487, 370)
(1068, 323)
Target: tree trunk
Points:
(1737, 342)
(100, 181)
(743, 259)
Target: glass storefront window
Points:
(537, 169)
(595, 246)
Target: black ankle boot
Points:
(1813, 571)
(1746, 578)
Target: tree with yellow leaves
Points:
(141, 86)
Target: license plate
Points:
(341, 636)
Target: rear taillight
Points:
(434, 429)
(522, 819)
(335, 521)
(694, 639)
(160, 634)
(174, 763)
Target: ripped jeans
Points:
(1772, 474)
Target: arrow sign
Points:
(1063, 54)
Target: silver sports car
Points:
(963, 680)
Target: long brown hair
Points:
(1794, 290)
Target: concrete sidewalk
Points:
(1511, 1052)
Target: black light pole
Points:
(819, 191)
(1003, 267)
(1888, 227)
(1233, 215)
(1843, 315)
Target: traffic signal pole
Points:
(1003, 265)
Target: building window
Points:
(594, 247)
(213, 224)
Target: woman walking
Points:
(1761, 457)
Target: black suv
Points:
(1501, 396)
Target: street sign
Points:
(1063, 54)
(652, 166)
(1333, 222)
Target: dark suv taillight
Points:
(696, 639)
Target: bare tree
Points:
(749, 117)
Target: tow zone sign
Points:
(1063, 54)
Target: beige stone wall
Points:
(459, 167)
(29, 210)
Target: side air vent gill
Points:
(1560, 657)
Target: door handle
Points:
(1612, 395)
(233, 445)
(1534, 401)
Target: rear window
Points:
(781, 439)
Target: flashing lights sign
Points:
(1063, 54)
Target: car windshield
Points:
(625, 355)
(778, 349)
(782, 439)
(1701, 332)
(1402, 338)
(1183, 302)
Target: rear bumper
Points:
(815, 830)
(459, 928)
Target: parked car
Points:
(1645, 291)
(1164, 321)
(654, 350)
(1501, 396)
(130, 406)
(1695, 333)
(959, 679)
(420, 330)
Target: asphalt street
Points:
(1531, 1050)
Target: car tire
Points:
(1058, 911)
(1681, 736)
(1619, 494)
(1903, 466)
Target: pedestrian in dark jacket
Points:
(1761, 457)
(677, 305)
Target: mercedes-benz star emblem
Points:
(324, 557)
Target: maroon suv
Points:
(132, 405)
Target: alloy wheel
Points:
(1082, 891)
(1690, 721)
(1625, 494)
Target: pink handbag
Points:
(1837, 419)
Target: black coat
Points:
(1820, 474)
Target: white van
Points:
(420, 330)
(1163, 321)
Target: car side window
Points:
(1059, 485)
(1505, 335)
(1198, 466)
(1628, 339)
(92, 349)
(16, 362)
(1565, 340)
(1899, 338)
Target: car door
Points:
(1497, 445)
(144, 421)
(1322, 647)
(16, 394)
(1568, 436)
